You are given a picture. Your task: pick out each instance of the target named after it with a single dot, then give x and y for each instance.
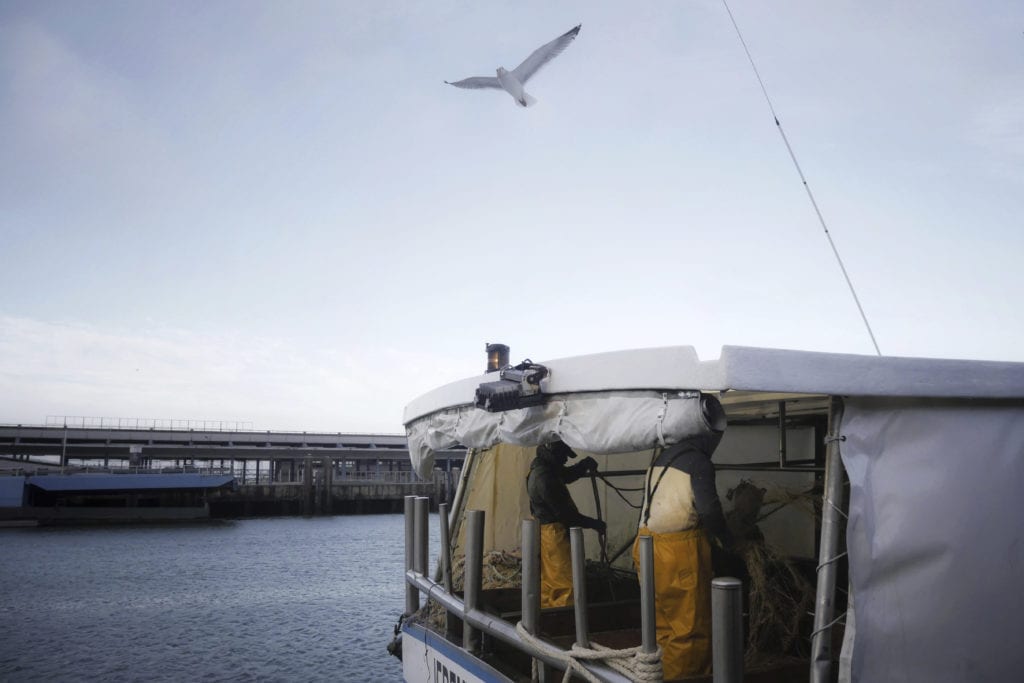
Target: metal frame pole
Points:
(412, 596)
(648, 620)
(446, 563)
(727, 630)
(531, 584)
(446, 547)
(422, 535)
(824, 603)
(579, 585)
(782, 434)
(473, 576)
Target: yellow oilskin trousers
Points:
(555, 566)
(682, 589)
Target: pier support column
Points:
(307, 487)
(328, 477)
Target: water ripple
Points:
(252, 600)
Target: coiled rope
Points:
(632, 662)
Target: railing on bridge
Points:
(79, 421)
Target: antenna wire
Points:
(803, 179)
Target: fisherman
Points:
(681, 509)
(553, 507)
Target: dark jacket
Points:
(546, 485)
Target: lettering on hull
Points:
(423, 664)
(443, 675)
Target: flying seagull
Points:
(512, 81)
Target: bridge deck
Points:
(82, 443)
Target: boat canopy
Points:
(933, 451)
(598, 423)
(627, 401)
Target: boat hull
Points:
(428, 657)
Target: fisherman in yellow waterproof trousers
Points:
(552, 506)
(681, 509)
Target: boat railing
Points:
(476, 620)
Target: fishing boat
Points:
(892, 485)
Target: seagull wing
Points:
(477, 82)
(544, 54)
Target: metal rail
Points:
(824, 604)
(502, 630)
(475, 620)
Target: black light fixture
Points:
(518, 387)
(497, 357)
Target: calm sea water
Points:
(283, 599)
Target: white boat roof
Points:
(744, 368)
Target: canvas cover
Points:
(497, 484)
(598, 423)
(935, 539)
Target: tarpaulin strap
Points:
(829, 624)
(836, 508)
(602, 537)
(830, 561)
(649, 497)
(660, 426)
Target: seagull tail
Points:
(527, 101)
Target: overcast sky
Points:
(277, 212)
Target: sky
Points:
(278, 213)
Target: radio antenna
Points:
(807, 187)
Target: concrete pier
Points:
(321, 493)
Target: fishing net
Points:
(501, 569)
(779, 596)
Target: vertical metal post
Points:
(727, 630)
(446, 563)
(531, 583)
(457, 515)
(579, 585)
(648, 621)
(824, 604)
(412, 596)
(473, 576)
(782, 433)
(421, 516)
(446, 548)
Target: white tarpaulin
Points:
(605, 422)
(936, 539)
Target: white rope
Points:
(633, 662)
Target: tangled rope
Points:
(632, 662)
